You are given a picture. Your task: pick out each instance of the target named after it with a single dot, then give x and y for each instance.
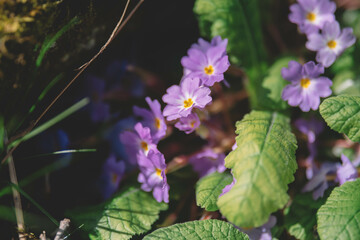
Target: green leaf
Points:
(131, 212)
(209, 188)
(345, 83)
(342, 114)
(300, 217)
(339, 217)
(273, 85)
(263, 164)
(239, 22)
(196, 230)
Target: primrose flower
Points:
(311, 15)
(138, 143)
(346, 172)
(188, 124)
(182, 99)
(153, 119)
(330, 43)
(152, 175)
(263, 232)
(306, 86)
(319, 183)
(112, 173)
(203, 45)
(206, 62)
(207, 161)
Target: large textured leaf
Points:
(339, 217)
(239, 22)
(209, 188)
(300, 217)
(263, 164)
(132, 212)
(342, 114)
(196, 230)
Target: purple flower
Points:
(138, 143)
(306, 86)
(206, 61)
(311, 15)
(207, 161)
(203, 45)
(188, 124)
(152, 175)
(182, 99)
(330, 43)
(111, 176)
(153, 119)
(319, 183)
(346, 172)
(263, 232)
(310, 128)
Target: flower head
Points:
(137, 143)
(207, 161)
(152, 175)
(188, 124)
(347, 171)
(208, 61)
(311, 15)
(306, 86)
(182, 99)
(330, 43)
(153, 119)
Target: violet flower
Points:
(311, 15)
(306, 86)
(152, 175)
(310, 128)
(330, 43)
(137, 143)
(203, 45)
(346, 172)
(153, 119)
(112, 173)
(182, 99)
(188, 124)
(319, 183)
(227, 188)
(207, 161)
(207, 62)
(263, 232)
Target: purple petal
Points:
(312, 70)
(331, 30)
(322, 86)
(305, 104)
(347, 38)
(171, 112)
(315, 42)
(326, 6)
(189, 86)
(326, 57)
(293, 94)
(293, 72)
(308, 5)
(172, 92)
(222, 65)
(214, 54)
(197, 57)
(297, 14)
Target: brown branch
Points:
(119, 26)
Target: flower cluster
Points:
(316, 19)
(141, 147)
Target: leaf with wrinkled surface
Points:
(132, 212)
(342, 114)
(209, 188)
(263, 164)
(339, 217)
(198, 230)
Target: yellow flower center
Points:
(332, 44)
(114, 178)
(144, 146)
(188, 103)
(311, 16)
(158, 172)
(192, 124)
(305, 82)
(157, 123)
(209, 70)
